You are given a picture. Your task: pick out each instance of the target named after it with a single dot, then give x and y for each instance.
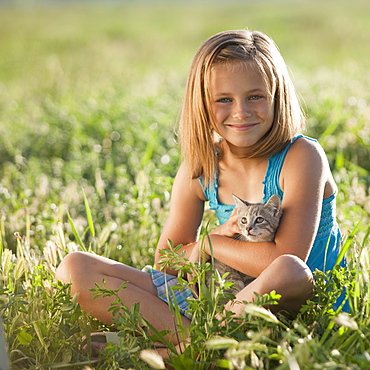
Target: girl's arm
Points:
(185, 216)
(305, 179)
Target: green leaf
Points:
(261, 312)
(74, 232)
(182, 362)
(24, 338)
(225, 364)
(348, 243)
(88, 214)
(38, 329)
(221, 343)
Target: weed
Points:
(89, 152)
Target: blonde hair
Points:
(198, 139)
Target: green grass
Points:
(89, 100)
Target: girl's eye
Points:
(255, 97)
(243, 220)
(259, 220)
(224, 100)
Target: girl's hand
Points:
(230, 228)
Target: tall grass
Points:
(90, 95)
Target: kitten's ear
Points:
(238, 202)
(274, 202)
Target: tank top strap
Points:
(272, 177)
(223, 211)
(211, 191)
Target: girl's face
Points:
(240, 103)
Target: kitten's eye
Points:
(259, 220)
(243, 220)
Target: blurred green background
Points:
(90, 94)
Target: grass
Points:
(89, 101)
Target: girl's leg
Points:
(86, 269)
(288, 275)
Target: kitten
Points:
(258, 223)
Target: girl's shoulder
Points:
(305, 152)
(304, 145)
(301, 149)
(185, 185)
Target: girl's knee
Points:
(292, 266)
(74, 270)
(297, 277)
(290, 277)
(70, 264)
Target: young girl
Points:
(240, 134)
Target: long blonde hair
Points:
(196, 132)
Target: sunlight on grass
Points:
(89, 102)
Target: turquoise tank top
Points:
(326, 246)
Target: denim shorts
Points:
(168, 288)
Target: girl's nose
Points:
(241, 111)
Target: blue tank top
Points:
(326, 246)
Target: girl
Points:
(240, 134)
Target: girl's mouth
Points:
(242, 127)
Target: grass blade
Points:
(88, 214)
(347, 244)
(75, 233)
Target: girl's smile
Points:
(242, 127)
(241, 105)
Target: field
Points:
(89, 99)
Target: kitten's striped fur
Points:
(258, 222)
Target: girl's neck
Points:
(242, 177)
(233, 156)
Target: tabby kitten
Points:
(258, 222)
